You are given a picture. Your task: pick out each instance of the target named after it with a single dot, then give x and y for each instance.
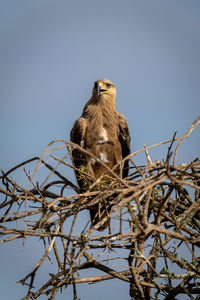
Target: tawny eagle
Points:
(103, 132)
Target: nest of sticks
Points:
(153, 239)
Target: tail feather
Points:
(97, 213)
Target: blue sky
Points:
(51, 52)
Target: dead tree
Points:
(153, 239)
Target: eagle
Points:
(102, 132)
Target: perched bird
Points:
(104, 133)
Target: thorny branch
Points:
(152, 244)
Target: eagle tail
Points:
(97, 213)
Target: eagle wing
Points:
(125, 141)
(79, 159)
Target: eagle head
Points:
(105, 88)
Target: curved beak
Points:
(100, 89)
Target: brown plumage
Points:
(104, 133)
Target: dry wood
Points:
(153, 240)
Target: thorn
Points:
(147, 155)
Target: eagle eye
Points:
(108, 85)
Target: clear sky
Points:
(52, 51)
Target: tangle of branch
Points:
(153, 240)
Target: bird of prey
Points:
(103, 132)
